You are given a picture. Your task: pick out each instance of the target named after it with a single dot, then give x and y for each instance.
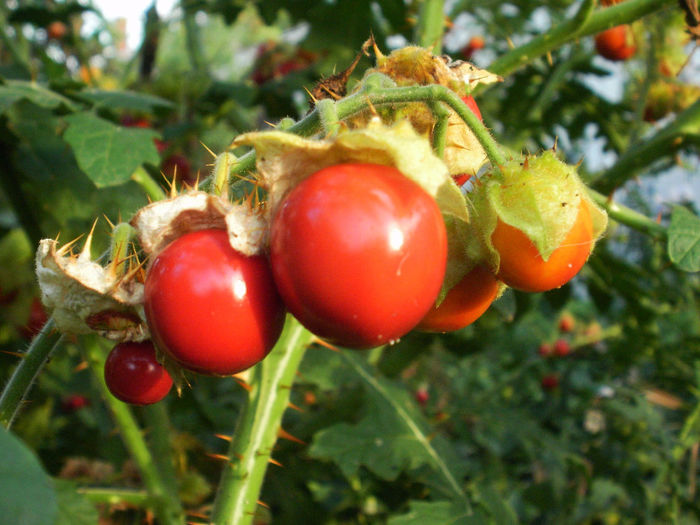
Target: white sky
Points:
(133, 11)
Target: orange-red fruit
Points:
(545, 350)
(471, 104)
(615, 43)
(522, 266)
(56, 30)
(475, 43)
(561, 347)
(566, 323)
(464, 303)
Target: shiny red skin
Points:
(134, 375)
(615, 43)
(358, 252)
(471, 104)
(211, 308)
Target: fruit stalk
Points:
(257, 430)
(629, 217)
(148, 185)
(166, 504)
(22, 378)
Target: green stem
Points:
(629, 217)
(584, 23)
(257, 430)
(440, 128)
(328, 115)
(111, 496)
(431, 25)
(122, 234)
(22, 378)
(166, 505)
(193, 40)
(159, 434)
(643, 154)
(148, 185)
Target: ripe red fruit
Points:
(562, 347)
(615, 43)
(211, 308)
(471, 104)
(422, 396)
(134, 375)
(522, 266)
(73, 403)
(464, 303)
(549, 382)
(56, 30)
(358, 253)
(474, 44)
(566, 323)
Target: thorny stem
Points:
(112, 496)
(672, 137)
(440, 128)
(148, 185)
(585, 22)
(165, 502)
(259, 424)
(122, 234)
(629, 217)
(328, 114)
(22, 378)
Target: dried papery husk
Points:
(283, 160)
(539, 195)
(161, 222)
(413, 65)
(84, 296)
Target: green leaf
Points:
(26, 491)
(125, 100)
(438, 513)
(391, 437)
(684, 240)
(73, 508)
(15, 90)
(107, 153)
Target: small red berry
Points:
(422, 396)
(566, 323)
(73, 403)
(615, 43)
(561, 347)
(134, 375)
(549, 382)
(545, 350)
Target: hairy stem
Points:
(258, 427)
(149, 186)
(22, 378)
(629, 217)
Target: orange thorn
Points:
(15, 354)
(242, 383)
(281, 433)
(206, 148)
(295, 407)
(263, 504)
(220, 457)
(323, 343)
(275, 462)
(223, 436)
(81, 366)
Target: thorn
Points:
(283, 434)
(243, 384)
(275, 125)
(219, 457)
(223, 436)
(67, 247)
(556, 143)
(86, 253)
(295, 407)
(111, 225)
(263, 504)
(325, 344)
(313, 99)
(275, 462)
(80, 366)
(14, 354)
(206, 148)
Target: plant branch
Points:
(584, 23)
(22, 378)
(149, 186)
(629, 217)
(257, 430)
(431, 25)
(675, 135)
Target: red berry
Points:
(73, 403)
(471, 104)
(549, 382)
(615, 43)
(422, 396)
(561, 347)
(134, 375)
(566, 323)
